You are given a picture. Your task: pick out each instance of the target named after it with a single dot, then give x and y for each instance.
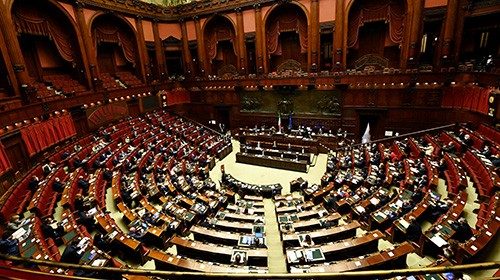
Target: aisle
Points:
(276, 259)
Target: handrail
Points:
(197, 122)
(399, 136)
(339, 275)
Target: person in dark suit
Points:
(414, 230)
(83, 184)
(137, 234)
(53, 230)
(9, 246)
(77, 162)
(101, 242)
(47, 167)
(496, 161)
(107, 175)
(65, 155)
(34, 183)
(463, 230)
(71, 254)
(443, 166)
(57, 185)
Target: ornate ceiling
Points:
(169, 3)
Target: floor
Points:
(263, 175)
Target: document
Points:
(439, 241)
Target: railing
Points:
(201, 275)
(401, 136)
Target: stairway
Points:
(276, 259)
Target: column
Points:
(242, 50)
(89, 53)
(416, 31)
(160, 54)
(339, 38)
(202, 57)
(449, 34)
(13, 48)
(463, 10)
(141, 49)
(313, 53)
(260, 50)
(186, 53)
(4, 54)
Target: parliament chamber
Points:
(249, 139)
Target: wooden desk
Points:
(399, 230)
(349, 247)
(166, 261)
(250, 190)
(215, 236)
(232, 226)
(272, 161)
(316, 223)
(220, 253)
(237, 209)
(248, 218)
(442, 227)
(323, 235)
(388, 259)
(293, 208)
(277, 153)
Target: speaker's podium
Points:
(298, 185)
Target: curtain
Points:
(286, 23)
(467, 98)
(4, 160)
(31, 21)
(113, 34)
(41, 135)
(392, 14)
(214, 36)
(211, 43)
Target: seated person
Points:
(86, 219)
(496, 161)
(79, 202)
(57, 185)
(52, 229)
(9, 246)
(414, 230)
(287, 228)
(47, 167)
(407, 206)
(34, 183)
(102, 242)
(83, 183)
(308, 241)
(14, 224)
(486, 151)
(450, 249)
(439, 208)
(239, 258)
(449, 148)
(463, 230)
(65, 155)
(137, 234)
(71, 253)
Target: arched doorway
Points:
(220, 38)
(116, 47)
(375, 34)
(286, 38)
(50, 50)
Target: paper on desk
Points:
(404, 223)
(439, 241)
(18, 234)
(98, 262)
